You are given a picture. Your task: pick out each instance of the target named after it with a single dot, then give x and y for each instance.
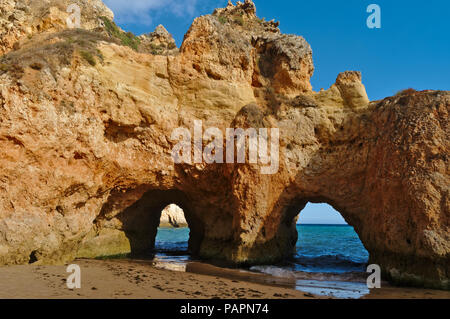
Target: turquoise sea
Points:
(329, 259)
(320, 248)
(329, 248)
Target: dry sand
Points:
(138, 279)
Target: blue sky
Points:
(412, 48)
(320, 214)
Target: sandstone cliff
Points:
(85, 144)
(159, 42)
(21, 19)
(173, 216)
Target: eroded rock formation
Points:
(21, 19)
(85, 147)
(159, 42)
(173, 216)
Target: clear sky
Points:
(411, 50)
(320, 214)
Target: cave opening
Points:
(162, 221)
(172, 238)
(323, 251)
(325, 255)
(326, 243)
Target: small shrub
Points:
(303, 101)
(156, 49)
(4, 67)
(272, 99)
(406, 92)
(239, 20)
(82, 42)
(223, 19)
(16, 70)
(126, 38)
(100, 55)
(88, 57)
(70, 40)
(36, 66)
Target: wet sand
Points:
(123, 279)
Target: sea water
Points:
(172, 244)
(329, 248)
(329, 260)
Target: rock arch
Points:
(141, 220)
(138, 223)
(85, 151)
(387, 189)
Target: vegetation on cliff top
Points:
(45, 52)
(126, 38)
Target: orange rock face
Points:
(86, 140)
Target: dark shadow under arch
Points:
(140, 221)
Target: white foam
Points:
(273, 271)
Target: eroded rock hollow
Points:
(86, 122)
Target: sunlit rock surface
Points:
(85, 145)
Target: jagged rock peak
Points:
(161, 31)
(247, 8)
(244, 14)
(352, 90)
(158, 42)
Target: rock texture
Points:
(85, 147)
(21, 19)
(173, 216)
(158, 42)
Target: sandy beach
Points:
(125, 279)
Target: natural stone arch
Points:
(140, 221)
(361, 165)
(323, 230)
(133, 230)
(291, 213)
(273, 235)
